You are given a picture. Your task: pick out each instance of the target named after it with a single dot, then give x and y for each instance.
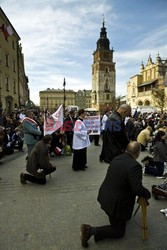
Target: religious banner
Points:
(93, 123)
(54, 121)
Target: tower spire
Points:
(103, 21)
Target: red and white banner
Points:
(7, 30)
(53, 122)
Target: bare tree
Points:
(116, 102)
(159, 98)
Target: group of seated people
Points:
(155, 165)
(153, 137)
(10, 139)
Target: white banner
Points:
(93, 123)
(54, 122)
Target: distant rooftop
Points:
(58, 90)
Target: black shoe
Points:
(85, 166)
(85, 234)
(22, 180)
(100, 159)
(146, 158)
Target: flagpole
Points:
(64, 84)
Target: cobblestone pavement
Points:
(49, 217)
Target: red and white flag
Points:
(7, 30)
(54, 122)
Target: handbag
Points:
(57, 150)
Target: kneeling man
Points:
(38, 164)
(123, 182)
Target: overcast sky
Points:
(59, 36)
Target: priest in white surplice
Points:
(80, 143)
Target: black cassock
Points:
(115, 138)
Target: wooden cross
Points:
(143, 203)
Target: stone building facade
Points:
(51, 99)
(88, 98)
(139, 87)
(14, 91)
(103, 73)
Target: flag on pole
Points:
(7, 30)
(54, 122)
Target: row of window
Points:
(45, 103)
(7, 61)
(7, 84)
(57, 96)
(149, 75)
(107, 97)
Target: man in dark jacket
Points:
(38, 164)
(69, 126)
(123, 182)
(115, 137)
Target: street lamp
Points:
(64, 84)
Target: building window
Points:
(7, 83)
(14, 66)
(14, 87)
(0, 80)
(147, 103)
(0, 54)
(6, 60)
(13, 44)
(107, 96)
(148, 87)
(133, 91)
(95, 97)
(140, 103)
(106, 70)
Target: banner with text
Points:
(53, 122)
(93, 123)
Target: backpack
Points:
(67, 150)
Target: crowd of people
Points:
(118, 128)
(123, 135)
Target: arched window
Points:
(140, 103)
(106, 70)
(147, 103)
(106, 86)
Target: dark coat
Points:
(123, 182)
(160, 151)
(129, 127)
(135, 132)
(115, 137)
(69, 123)
(38, 159)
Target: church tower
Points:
(103, 73)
